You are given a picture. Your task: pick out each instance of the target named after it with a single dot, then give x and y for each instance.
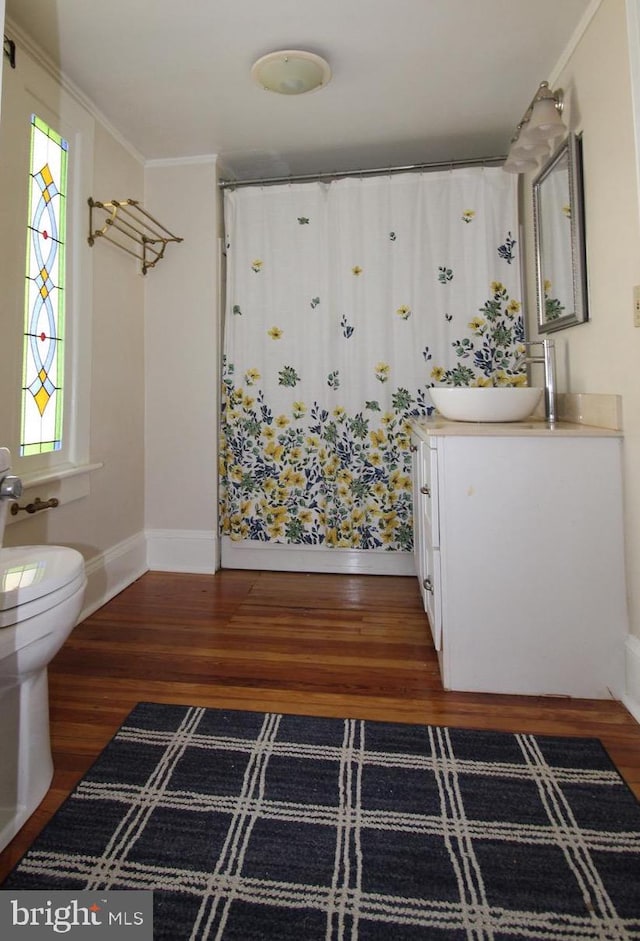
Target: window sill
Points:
(66, 484)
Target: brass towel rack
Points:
(139, 233)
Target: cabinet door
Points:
(419, 520)
(426, 532)
(433, 595)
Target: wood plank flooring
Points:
(333, 645)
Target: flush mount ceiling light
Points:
(537, 132)
(291, 72)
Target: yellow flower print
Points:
(345, 476)
(468, 215)
(339, 412)
(375, 459)
(247, 402)
(285, 477)
(501, 379)
(566, 211)
(378, 438)
(312, 441)
(257, 265)
(382, 371)
(520, 380)
(378, 489)
(437, 373)
(243, 530)
(477, 323)
(274, 450)
(513, 308)
(275, 529)
(269, 485)
(483, 381)
(275, 333)
(282, 421)
(295, 454)
(251, 376)
(497, 287)
(358, 516)
(268, 433)
(356, 270)
(547, 286)
(331, 466)
(299, 409)
(404, 312)
(387, 418)
(305, 517)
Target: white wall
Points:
(603, 355)
(107, 523)
(182, 370)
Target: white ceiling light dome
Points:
(291, 72)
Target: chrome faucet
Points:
(548, 359)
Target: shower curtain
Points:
(345, 302)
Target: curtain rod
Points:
(379, 171)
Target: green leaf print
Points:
(288, 377)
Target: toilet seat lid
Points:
(31, 572)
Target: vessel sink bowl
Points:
(486, 403)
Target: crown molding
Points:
(577, 35)
(181, 161)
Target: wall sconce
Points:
(291, 72)
(540, 127)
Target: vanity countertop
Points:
(436, 426)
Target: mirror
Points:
(558, 224)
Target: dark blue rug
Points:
(288, 828)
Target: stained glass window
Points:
(43, 363)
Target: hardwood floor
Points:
(329, 645)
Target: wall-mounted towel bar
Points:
(139, 233)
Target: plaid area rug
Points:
(288, 828)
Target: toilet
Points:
(41, 596)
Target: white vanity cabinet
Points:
(519, 555)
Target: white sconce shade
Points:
(526, 147)
(291, 72)
(545, 123)
(540, 126)
(515, 164)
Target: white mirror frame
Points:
(560, 247)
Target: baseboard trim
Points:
(278, 557)
(631, 697)
(112, 571)
(183, 550)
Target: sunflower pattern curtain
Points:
(345, 303)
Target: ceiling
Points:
(414, 81)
